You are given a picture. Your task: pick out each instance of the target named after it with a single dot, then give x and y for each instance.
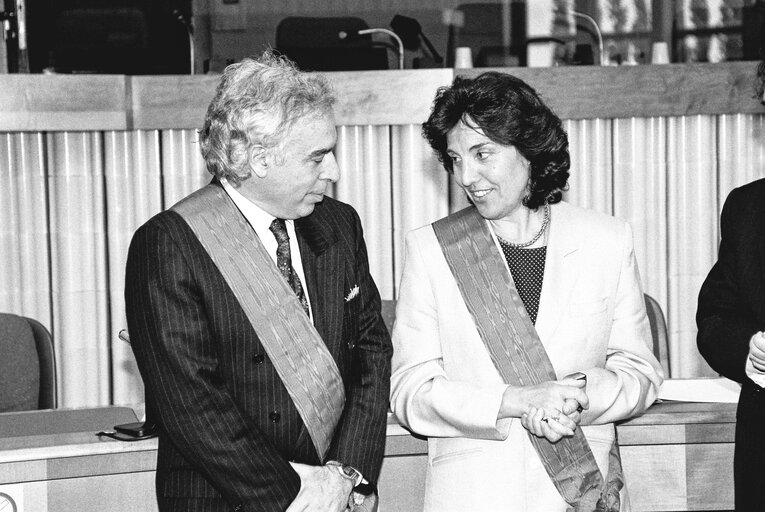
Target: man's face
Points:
(297, 178)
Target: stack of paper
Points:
(700, 390)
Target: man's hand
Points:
(757, 351)
(322, 489)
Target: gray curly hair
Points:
(256, 103)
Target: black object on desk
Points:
(59, 421)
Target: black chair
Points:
(329, 44)
(27, 365)
(481, 31)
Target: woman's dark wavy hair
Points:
(509, 112)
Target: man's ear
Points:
(259, 161)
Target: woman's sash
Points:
(518, 354)
(293, 344)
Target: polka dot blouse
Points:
(527, 267)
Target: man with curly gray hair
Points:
(253, 317)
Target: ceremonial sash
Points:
(293, 344)
(518, 354)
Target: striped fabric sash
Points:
(518, 354)
(293, 344)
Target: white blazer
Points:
(591, 318)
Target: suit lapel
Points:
(324, 273)
(561, 271)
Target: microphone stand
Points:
(598, 35)
(190, 32)
(391, 34)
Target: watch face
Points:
(350, 472)
(7, 504)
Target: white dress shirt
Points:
(261, 222)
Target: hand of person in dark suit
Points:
(757, 351)
(322, 489)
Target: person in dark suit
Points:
(253, 317)
(730, 318)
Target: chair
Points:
(389, 313)
(481, 31)
(658, 332)
(329, 44)
(27, 365)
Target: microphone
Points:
(410, 32)
(348, 36)
(358, 34)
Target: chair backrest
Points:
(658, 332)
(481, 31)
(389, 313)
(655, 319)
(27, 365)
(315, 44)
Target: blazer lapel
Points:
(561, 271)
(323, 268)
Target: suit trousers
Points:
(749, 458)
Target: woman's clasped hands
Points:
(551, 410)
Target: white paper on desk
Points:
(700, 390)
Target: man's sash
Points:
(293, 344)
(518, 354)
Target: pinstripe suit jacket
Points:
(228, 427)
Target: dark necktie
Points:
(284, 260)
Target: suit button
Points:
(275, 416)
(258, 358)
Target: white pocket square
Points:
(352, 294)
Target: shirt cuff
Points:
(755, 376)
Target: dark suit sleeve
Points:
(725, 321)
(176, 351)
(360, 436)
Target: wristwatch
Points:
(347, 471)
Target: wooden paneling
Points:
(180, 101)
(97, 102)
(386, 97)
(586, 92)
(62, 102)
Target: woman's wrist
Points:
(511, 403)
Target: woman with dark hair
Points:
(521, 332)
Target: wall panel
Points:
(363, 154)
(692, 233)
(24, 241)
(741, 151)
(183, 169)
(79, 267)
(133, 189)
(591, 180)
(420, 188)
(640, 196)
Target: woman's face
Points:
(495, 177)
